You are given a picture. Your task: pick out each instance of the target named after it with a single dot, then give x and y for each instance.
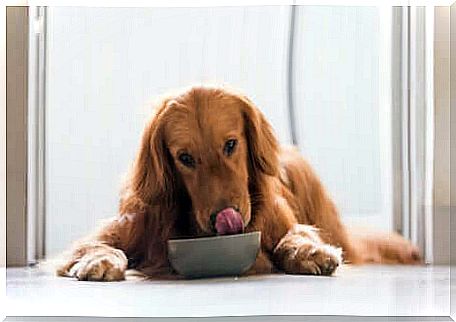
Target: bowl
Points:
(227, 255)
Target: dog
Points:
(209, 163)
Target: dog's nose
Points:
(227, 221)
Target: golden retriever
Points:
(209, 163)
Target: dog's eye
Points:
(230, 145)
(187, 160)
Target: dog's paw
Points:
(101, 266)
(314, 259)
(412, 256)
(401, 253)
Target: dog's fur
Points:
(274, 189)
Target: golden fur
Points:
(274, 188)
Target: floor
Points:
(360, 290)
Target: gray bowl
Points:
(214, 256)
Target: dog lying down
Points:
(209, 163)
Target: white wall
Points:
(16, 138)
(441, 222)
(453, 148)
(343, 122)
(105, 65)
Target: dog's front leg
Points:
(262, 265)
(103, 256)
(301, 251)
(94, 261)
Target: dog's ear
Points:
(151, 179)
(262, 143)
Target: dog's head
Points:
(208, 148)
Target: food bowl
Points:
(227, 255)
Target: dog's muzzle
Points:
(227, 221)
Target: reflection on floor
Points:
(361, 290)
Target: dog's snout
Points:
(227, 221)
(213, 215)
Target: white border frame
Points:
(421, 128)
(429, 212)
(36, 136)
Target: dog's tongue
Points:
(229, 222)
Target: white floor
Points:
(362, 290)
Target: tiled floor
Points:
(362, 290)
